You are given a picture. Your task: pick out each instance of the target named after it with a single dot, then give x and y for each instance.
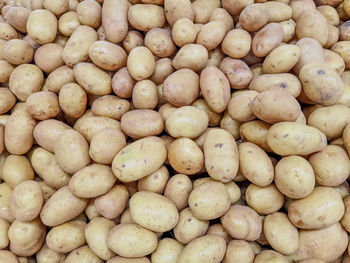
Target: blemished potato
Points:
(119, 259)
(26, 201)
(141, 63)
(7, 100)
(89, 13)
(191, 56)
(4, 227)
(68, 22)
(267, 39)
(42, 26)
(66, 237)
(7, 32)
(208, 249)
(145, 95)
(110, 106)
(58, 78)
(292, 138)
(238, 251)
(294, 177)
(5, 200)
(255, 164)
(155, 182)
(209, 201)
(236, 43)
(49, 57)
(255, 132)
(48, 255)
(183, 32)
(242, 222)
(239, 107)
(82, 254)
(112, 204)
(17, 17)
(145, 17)
(237, 72)
(168, 250)
(177, 9)
(17, 51)
(254, 17)
(307, 213)
(178, 190)
(42, 105)
(140, 241)
(159, 41)
(133, 39)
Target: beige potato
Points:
(140, 241)
(240, 105)
(26, 201)
(335, 61)
(159, 41)
(333, 36)
(72, 100)
(191, 56)
(236, 7)
(177, 9)
(288, 29)
(7, 32)
(294, 177)
(155, 182)
(183, 32)
(43, 105)
(145, 17)
(7, 100)
(270, 256)
(236, 43)
(211, 34)
(262, 172)
(163, 69)
(214, 117)
(58, 78)
(133, 39)
(342, 48)
(208, 249)
(82, 254)
(267, 39)
(288, 138)
(242, 222)
(275, 105)
(215, 57)
(322, 208)
(237, 72)
(220, 14)
(25, 80)
(254, 17)
(8, 256)
(238, 251)
(203, 9)
(5, 70)
(2, 143)
(89, 13)
(168, 250)
(48, 255)
(209, 200)
(282, 59)
(141, 63)
(255, 132)
(123, 83)
(4, 227)
(17, 17)
(66, 237)
(181, 88)
(68, 22)
(49, 57)
(178, 190)
(310, 51)
(72, 151)
(42, 26)
(5, 212)
(118, 259)
(57, 7)
(145, 95)
(17, 51)
(112, 204)
(110, 106)
(345, 219)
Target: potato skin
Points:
(145, 17)
(42, 26)
(267, 39)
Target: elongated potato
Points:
(17, 17)
(254, 17)
(237, 72)
(58, 78)
(42, 26)
(82, 254)
(16, 169)
(282, 59)
(141, 63)
(177, 9)
(211, 34)
(267, 38)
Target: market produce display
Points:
(174, 131)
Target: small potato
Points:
(136, 153)
(107, 56)
(18, 134)
(5, 70)
(187, 121)
(123, 83)
(282, 59)
(254, 17)
(43, 105)
(178, 190)
(133, 39)
(49, 57)
(25, 80)
(183, 32)
(92, 181)
(5, 199)
(255, 132)
(57, 7)
(141, 241)
(294, 177)
(206, 249)
(68, 22)
(237, 72)
(310, 51)
(17, 51)
(209, 201)
(58, 78)
(113, 203)
(163, 69)
(17, 17)
(236, 43)
(192, 56)
(155, 182)
(270, 256)
(145, 95)
(235, 7)
(82, 254)
(321, 83)
(240, 105)
(72, 100)
(26, 201)
(215, 88)
(264, 200)
(7, 100)
(238, 251)
(48, 255)
(4, 227)
(42, 26)
(185, 156)
(62, 207)
(105, 145)
(211, 34)
(181, 88)
(141, 63)
(220, 14)
(145, 17)
(242, 222)
(177, 9)
(275, 105)
(313, 211)
(66, 237)
(288, 138)
(267, 39)
(159, 41)
(89, 13)
(305, 26)
(168, 250)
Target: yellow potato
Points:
(211, 34)
(72, 100)
(8, 256)
(236, 43)
(238, 251)
(154, 182)
(16, 169)
(89, 13)
(145, 95)
(278, 11)
(342, 48)
(144, 17)
(168, 250)
(191, 56)
(5, 212)
(82, 254)
(177, 9)
(237, 72)
(141, 63)
(68, 22)
(17, 51)
(178, 190)
(267, 39)
(288, 29)
(133, 39)
(42, 26)
(43, 105)
(254, 17)
(282, 59)
(58, 78)
(163, 69)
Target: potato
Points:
(220, 14)
(168, 250)
(237, 72)
(17, 17)
(211, 34)
(4, 227)
(294, 177)
(141, 241)
(140, 63)
(26, 238)
(66, 237)
(145, 95)
(72, 151)
(57, 7)
(42, 26)
(177, 9)
(17, 51)
(239, 106)
(154, 182)
(68, 22)
(236, 7)
(342, 48)
(192, 56)
(82, 254)
(159, 41)
(255, 132)
(58, 78)
(7, 100)
(2, 143)
(114, 20)
(110, 106)
(123, 83)
(7, 32)
(262, 172)
(145, 17)
(214, 117)
(209, 200)
(25, 80)
(283, 81)
(335, 61)
(49, 57)
(133, 39)
(267, 39)
(254, 17)
(288, 138)
(72, 100)
(289, 29)
(48, 255)
(238, 251)
(163, 69)
(270, 256)
(181, 88)
(310, 51)
(8, 256)
(333, 36)
(26, 201)
(112, 204)
(178, 190)
(183, 32)
(275, 105)
(313, 211)
(89, 13)
(236, 43)
(345, 219)
(5, 212)
(43, 105)
(5, 70)
(313, 242)
(118, 259)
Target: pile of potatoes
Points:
(174, 131)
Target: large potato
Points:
(168, 250)
(144, 17)
(141, 63)
(254, 17)
(17, 52)
(42, 26)
(49, 57)
(89, 13)
(239, 251)
(16, 169)
(43, 105)
(240, 105)
(237, 72)
(236, 43)
(17, 17)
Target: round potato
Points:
(238, 251)
(8, 256)
(68, 22)
(17, 17)
(133, 39)
(177, 9)
(236, 43)
(145, 95)
(145, 17)
(237, 72)
(211, 34)
(16, 169)
(239, 106)
(192, 56)
(183, 32)
(49, 57)
(43, 105)
(89, 13)
(141, 63)
(17, 51)
(42, 26)
(159, 41)
(254, 17)
(155, 182)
